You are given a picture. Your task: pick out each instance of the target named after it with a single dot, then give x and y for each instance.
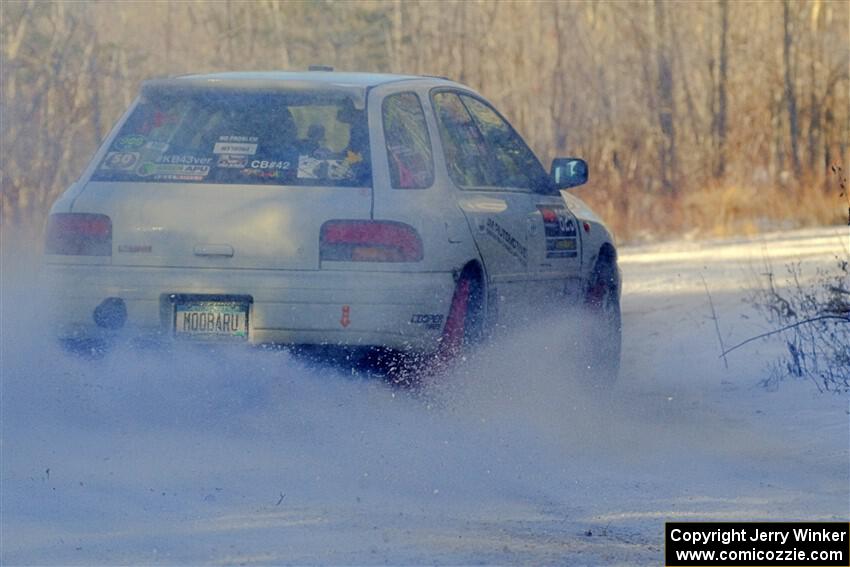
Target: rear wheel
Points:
(604, 337)
(464, 327)
(464, 324)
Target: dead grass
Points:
(722, 210)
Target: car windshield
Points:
(241, 138)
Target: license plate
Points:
(211, 320)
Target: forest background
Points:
(698, 118)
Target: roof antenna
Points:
(327, 68)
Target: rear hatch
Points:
(216, 177)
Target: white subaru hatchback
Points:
(322, 208)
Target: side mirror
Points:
(569, 172)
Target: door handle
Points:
(224, 250)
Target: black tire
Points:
(605, 334)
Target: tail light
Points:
(79, 234)
(369, 241)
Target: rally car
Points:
(324, 208)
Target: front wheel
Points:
(604, 336)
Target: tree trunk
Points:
(718, 125)
(790, 95)
(559, 86)
(666, 102)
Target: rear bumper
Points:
(397, 310)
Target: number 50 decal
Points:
(120, 160)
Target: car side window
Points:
(465, 149)
(411, 162)
(516, 166)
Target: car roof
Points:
(355, 85)
(319, 77)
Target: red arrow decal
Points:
(345, 321)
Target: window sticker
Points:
(185, 160)
(173, 172)
(239, 139)
(267, 169)
(312, 168)
(228, 161)
(160, 147)
(308, 167)
(240, 145)
(131, 142)
(339, 169)
(234, 148)
(270, 164)
(262, 173)
(120, 161)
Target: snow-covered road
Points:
(252, 457)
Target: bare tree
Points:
(665, 100)
(625, 85)
(719, 107)
(790, 91)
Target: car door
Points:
(498, 207)
(552, 235)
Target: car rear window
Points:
(241, 138)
